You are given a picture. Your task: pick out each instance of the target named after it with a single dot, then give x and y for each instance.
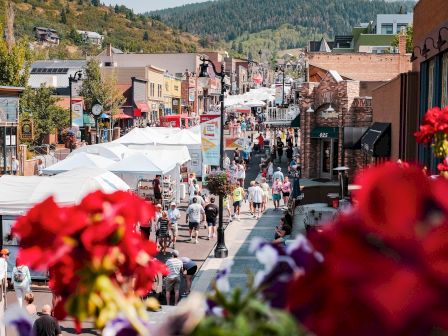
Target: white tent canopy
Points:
(178, 154)
(19, 193)
(79, 160)
(255, 103)
(184, 137)
(137, 136)
(161, 131)
(142, 163)
(108, 150)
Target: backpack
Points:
(19, 275)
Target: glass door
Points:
(326, 159)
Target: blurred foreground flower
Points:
(98, 264)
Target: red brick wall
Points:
(363, 67)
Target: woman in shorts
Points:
(265, 187)
(286, 190)
(163, 231)
(276, 193)
(190, 268)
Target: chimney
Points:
(402, 43)
(109, 50)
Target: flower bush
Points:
(95, 258)
(219, 183)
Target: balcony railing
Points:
(281, 115)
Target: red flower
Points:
(45, 233)
(434, 121)
(386, 264)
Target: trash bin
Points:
(333, 200)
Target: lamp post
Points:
(76, 77)
(97, 109)
(282, 68)
(221, 249)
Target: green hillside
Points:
(120, 26)
(262, 22)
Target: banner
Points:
(210, 133)
(191, 94)
(234, 143)
(77, 113)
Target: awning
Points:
(143, 106)
(325, 132)
(121, 115)
(296, 122)
(352, 137)
(377, 140)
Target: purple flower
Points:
(222, 278)
(19, 318)
(120, 326)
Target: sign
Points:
(210, 133)
(77, 113)
(26, 130)
(191, 94)
(233, 143)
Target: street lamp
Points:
(76, 77)
(221, 249)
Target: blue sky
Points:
(140, 6)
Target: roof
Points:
(335, 75)
(12, 88)
(90, 34)
(373, 40)
(314, 46)
(59, 64)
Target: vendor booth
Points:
(178, 120)
(20, 193)
(108, 150)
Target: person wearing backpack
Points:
(21, 280)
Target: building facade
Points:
(430, 62)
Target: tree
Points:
(146, 36)
(96, 3)
(409, 39)
(63, 16)
(40, 105)
(96, 89)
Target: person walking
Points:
(174, 216)
(21, 279)
(163, 231)
(157, 189)
(276, 192)
(237, 196)
(257, 199)
(270, 170)
(40, 167)
(4, 255)
(265, 187)
(172, 281)
(14, 165)
(195, 215)
(278, 175)
(46, 325)
(226, 162)
(280, 146)
(30, 307)
(241, 174)
(286, 190)
(211, 214)
(190, 268)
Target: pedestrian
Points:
(286, 190)
(250, 192)
(145, 229)
(278, 175)
(270, 171)
(283, 233)
(4, 255)
(265, 187)
(21, 279)
(195, 215)
(14, 165)
(236, 154)
(233, 171)
(157, 215)
(241, 174)
(190, 268)
(211, 214)
(163, 231)
(260, 142)
(30, 307)
(174, 216)
(194, 186)
(172, 281)
(198, 197)
(273, 152)
(257, 200)
(243, 128)
(238, 129)
(276, 192)
(40, 167)
(46, 325)
(237, 196)
(289, 153)
(226, 162)
(157, 190)
(227, 207)
(280, 146)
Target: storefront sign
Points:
(210, 134)
(26, 130)
(191, 94)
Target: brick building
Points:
(430, 62)
(329, 108)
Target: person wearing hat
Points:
(172, 281)
(174, 216)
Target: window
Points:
(387, 28)
(444, 101)
(152, 90)
(431, 83)
(159, 90)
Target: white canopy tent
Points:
(137, 136)
(255, 103)
(184, 137)
(20, 193)
(79, 160)
(161, 131)
(178, 154)
(108, 150)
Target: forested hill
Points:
(229, 19)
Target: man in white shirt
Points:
(14, 165)
(250, 196)
(174, 216)
(4, 254)
(226, 162)
(195, 215)
(172, 281)
(257, 198)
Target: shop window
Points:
(444, 99)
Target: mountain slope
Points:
(119, 25)
(228, 19)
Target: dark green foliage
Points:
(63, 16)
